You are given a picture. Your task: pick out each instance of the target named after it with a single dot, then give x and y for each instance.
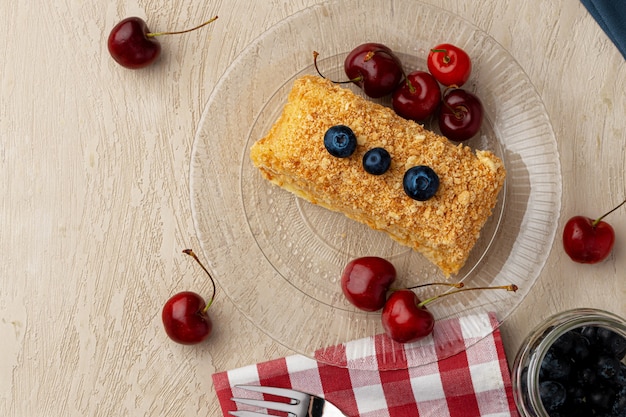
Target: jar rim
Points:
(536, 345)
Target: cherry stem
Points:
(315, 55)
(599, 219)
(446, 58)
(447, 284)
(510, 287)
(448, 88)
(191, 253)
(410, 85)
(151, 34)
(457, 113)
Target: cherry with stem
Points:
(418, 98)
(449, 64)
(587, 240)
(368, 57)
(185, 315)
(373, 67)
(461, 114)
(134, 46)
(405, 318)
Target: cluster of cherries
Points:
(417, 96)
(366, 283)
(185, 314)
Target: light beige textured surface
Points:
(94, 163)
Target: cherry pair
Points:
(366, 282)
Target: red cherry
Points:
(375, 68)
(185, 318)
(461, 115)
(418, 97)
(404, 319)
(589, 241)
(449, 64)
(184, 315)
(132, 45)
(365, 282)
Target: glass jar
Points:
(527, 363)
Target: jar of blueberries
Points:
(573, 365)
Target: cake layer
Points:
(443, 228)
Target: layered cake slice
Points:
(444, 227)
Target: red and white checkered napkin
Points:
(475, 382)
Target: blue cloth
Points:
(611, 16)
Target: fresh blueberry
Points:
(555, 367)
(553, 395)
(613, 343)
(340, 141)
(590, 332)
(376, 161)
(420, 182)
(565, 342)
(607, 367)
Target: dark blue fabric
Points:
(611, 16)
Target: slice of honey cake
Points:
(443, 226)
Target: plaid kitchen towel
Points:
(474, 382)
(611, 16)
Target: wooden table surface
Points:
(94, 179)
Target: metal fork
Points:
(300, 405)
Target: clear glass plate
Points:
(279, 258)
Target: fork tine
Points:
(270, 405)
(246, 413)
(301, 404)
(281, 392)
